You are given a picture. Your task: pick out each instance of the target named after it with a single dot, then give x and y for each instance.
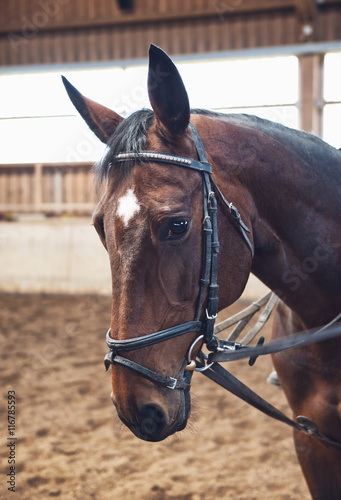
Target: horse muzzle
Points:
(153, 421)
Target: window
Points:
(267, 87)
(38, 123)
(332, 99)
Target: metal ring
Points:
(203, 368)
(189, 355)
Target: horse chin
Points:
(152, 425)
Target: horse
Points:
(281, 222)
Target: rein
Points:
(220, 350)
(228, 350)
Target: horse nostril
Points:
(152, 421)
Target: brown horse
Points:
(286, 186)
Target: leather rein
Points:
(221, 350)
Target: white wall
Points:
(53, 256)
(61, 256)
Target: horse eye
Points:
(177, 228)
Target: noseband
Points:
(209, 272)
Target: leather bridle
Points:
(209, 274)
(220, 350)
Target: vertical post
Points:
(57, 187)
(38, 186)
(311, 93)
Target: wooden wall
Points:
(47, 188)
(38, 32)
(71, 31)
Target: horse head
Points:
(150, 220)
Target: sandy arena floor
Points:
(70, 443)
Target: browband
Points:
(181, 161)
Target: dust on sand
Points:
(71, 445)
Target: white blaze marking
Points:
(128, 206)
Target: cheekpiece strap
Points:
(209, 279)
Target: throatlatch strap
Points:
(243, 229)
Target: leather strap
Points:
(180, 161)
(170, 382)
(263, 318)
(209, 277)
(226, 380)
(241, 316)
(243, 229)
(234, 350)
(152, 338)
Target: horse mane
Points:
(131, 136)
(318, 154)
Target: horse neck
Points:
(294, 214)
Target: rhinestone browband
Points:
(152, 156)
(161, 157)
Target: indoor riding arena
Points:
(61, 436)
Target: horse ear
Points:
(102, 121)
(167, 93)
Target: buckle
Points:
(212, 202)
(213, 317)
(171, 382)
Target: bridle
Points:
(209, 274)
(220, 350)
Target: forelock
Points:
(130, 137)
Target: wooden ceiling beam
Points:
(18, 15)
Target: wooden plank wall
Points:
(47, 188)
(79, 31)
(71, 31)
